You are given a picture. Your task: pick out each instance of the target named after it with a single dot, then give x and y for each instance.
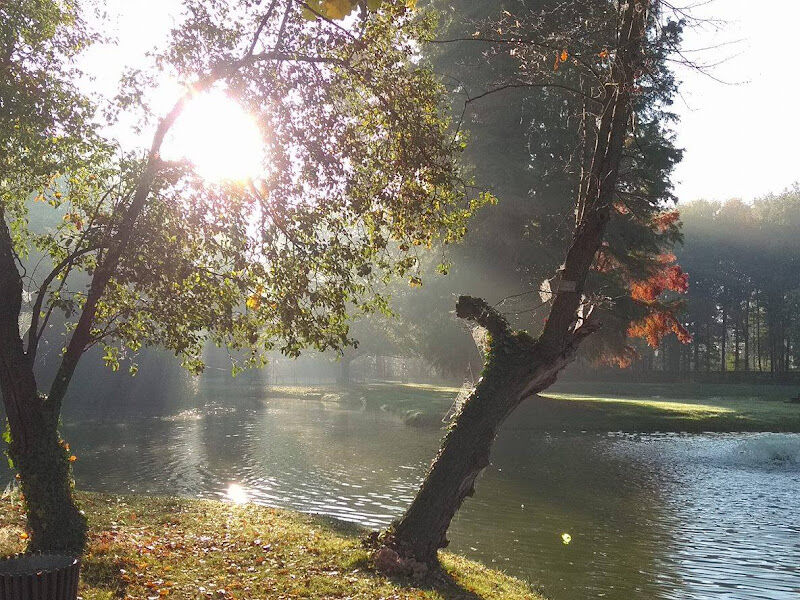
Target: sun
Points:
(221, 139)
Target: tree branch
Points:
(33, 334)
(479, 312)
(81, 336)
(509, 86)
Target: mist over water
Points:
(650, 516)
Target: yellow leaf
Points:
(338, 9)
(564, 55)
(312, 9)
(253, 302)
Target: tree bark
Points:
(54, 521)
(517, 366)
(724, 340)
(746, 331)
(736, 322)
(758, 331)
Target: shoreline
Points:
(157, 546)
(577, 407)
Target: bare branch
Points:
(261, 24)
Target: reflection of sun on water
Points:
(218, 137)
(237, 494)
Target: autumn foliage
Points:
(664, 220)
(669, 276)
(660, 319)
(650, 294)
(656, 325)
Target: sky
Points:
(739, 121)
(741, 137)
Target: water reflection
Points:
(656, 516)
(237, 494)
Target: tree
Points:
(618, 51)
(523, 148)
(361, 167)
(742, 305)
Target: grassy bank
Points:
(593, 406)
(416, 403)
(145, 547)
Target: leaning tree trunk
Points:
(54, 522)
(517, 366)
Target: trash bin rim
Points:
(15, 564)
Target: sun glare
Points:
(218, 137)
(237, 494)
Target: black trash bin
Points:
(39, 577)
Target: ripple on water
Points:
(663, 516)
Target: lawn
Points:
(149, 548)
(586, 406)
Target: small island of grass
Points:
(589, 406)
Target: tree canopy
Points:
(521, 79)
(360, 167)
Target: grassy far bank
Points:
(584, 406)
(149, 548)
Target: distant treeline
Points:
(743, 305)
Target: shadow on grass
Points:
(439, 581)
(443, 583)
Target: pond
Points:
(650, 516)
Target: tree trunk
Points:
(746, 331)
(771, 329)
(724, 340)
(54, 522)
(464, 454)
(736, 323)
(344, 377)
(758, 332)
(518, 366)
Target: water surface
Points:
(651, 516)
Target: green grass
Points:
(146, 547)
(418, 404)
(594, 406)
